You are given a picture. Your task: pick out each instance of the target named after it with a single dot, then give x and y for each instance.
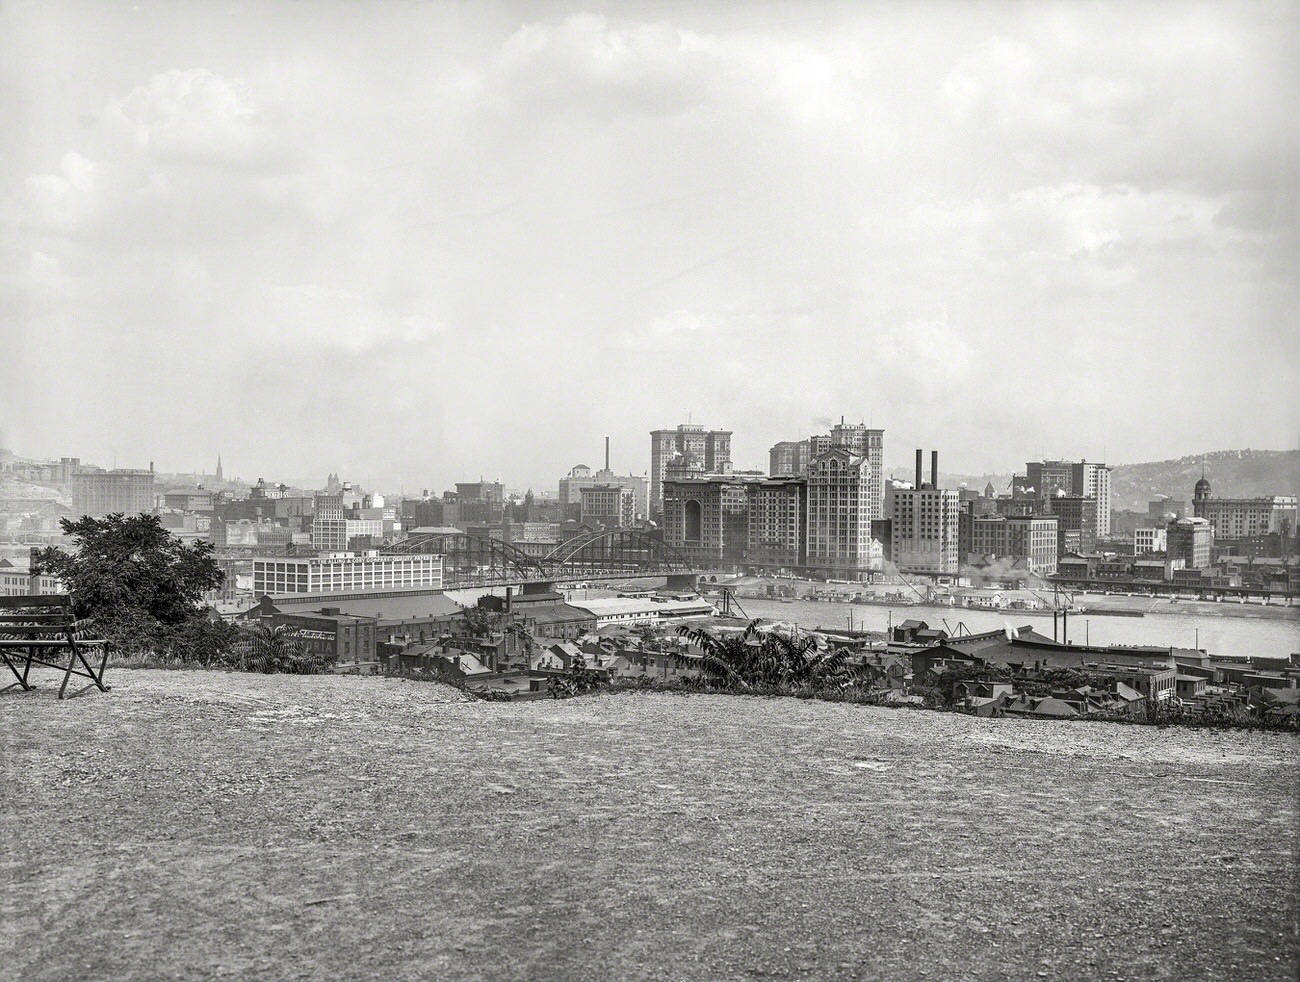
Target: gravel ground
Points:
(201, 825)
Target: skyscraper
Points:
(97, 492)
(794, 457)
(925, 525)
(1052, 478)
(789, 458)
(842, 504)
(702, 451)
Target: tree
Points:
(123, 563)
(480, 622)
(142, 585)
(576, 680)
(526, 641)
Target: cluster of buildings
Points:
(518, 644)
(1025, 669)
(380, 622)
(1215, 543)
(1054, 508)
(824, 509)
(817, 513)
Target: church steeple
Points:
(219, 477)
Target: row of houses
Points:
(512, 663)
(1268, 575)
(1123, 679)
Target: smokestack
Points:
(934, 469)
(606, 451)
(920, 461)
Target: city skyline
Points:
(419, 243)
(895, 466)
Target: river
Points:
(1225, 630)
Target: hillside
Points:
(1232, 474)
(290, 827)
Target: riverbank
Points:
(330, 827)
(1100, 602)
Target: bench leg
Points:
(72, 660)
(96, 677)
(21, 678)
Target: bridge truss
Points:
(616, 552)
(471, 560)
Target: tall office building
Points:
(842, 504)
(789, 458)
(608, 505)
(582, 476)
(778, 523)
(1190, 540)
(924, 526)
(1093, 481)
(794, 457)
(1240, 518)
(1046, 477)
(707, 518)
(702, 451)
(1051, 478)
(1032, 538)
(1077, 514)
(97, 492)
(869, 444)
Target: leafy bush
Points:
(576, 680)
(757, 658)
(271, 650)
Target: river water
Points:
(1221, 629)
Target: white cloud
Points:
(66, 199)
(677, 329)
(726, 203)
(588, 65)
(190, 114)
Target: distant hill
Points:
(1231, 473)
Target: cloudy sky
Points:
(421, 242)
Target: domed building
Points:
(1243, 523)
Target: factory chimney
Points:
(920, 459)
(606, 451)
(934, 469)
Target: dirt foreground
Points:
(205, 825)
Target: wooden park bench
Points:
(32, 626)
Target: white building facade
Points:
(1149, 540)
(347, 572)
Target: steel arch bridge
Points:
(480, 560)
(471, 560)
(614, 552)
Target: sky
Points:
(415, 243)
